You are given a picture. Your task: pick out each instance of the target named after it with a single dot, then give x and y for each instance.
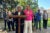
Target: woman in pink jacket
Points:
(28, 20)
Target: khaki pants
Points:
(28, 27)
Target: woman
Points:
(19, 12)
(45, 19)
(28, 20)
(9, 21)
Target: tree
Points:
(14, 3)
(32, 3)
(10, 4)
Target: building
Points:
(48, 13)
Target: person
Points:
(14, 21)
(28, 20)
(35, 21)
(38, 20)
(5, 18)
(9, 21)
(19, 12)
(45, 19)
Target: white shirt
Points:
(45, 16)
(9, 13)
(19, 13)
(10, 19)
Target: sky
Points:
(44, 3)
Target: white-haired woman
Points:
(19, 6)
(19, 12)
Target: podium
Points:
(19, 17)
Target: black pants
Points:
(13, 24)
(44, 23)
(38, 23)
(5, 22)
(21, 28)
(10, 24)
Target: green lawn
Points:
(48, 22)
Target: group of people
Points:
(25, 23)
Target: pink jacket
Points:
(29, 14)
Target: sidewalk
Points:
(38, 31)
(42, 31)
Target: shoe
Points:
(9, 30)
(40, 29)
(13, 29)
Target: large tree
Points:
(10, 4)
(32, 3)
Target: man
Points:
(14, 21)
(38, 19)
(45, 19)
(19, 12)
(35, 21)
(5, 18)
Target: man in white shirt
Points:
(5, 18)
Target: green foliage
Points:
(33, 4)
(11, 3)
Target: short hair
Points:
(38, 9)
(28, 5)
(44, 10)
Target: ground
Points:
(42, 31)
(37, 31)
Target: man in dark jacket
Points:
(38, 19)
(14, 20)
(5, 18)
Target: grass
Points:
(48, 22)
